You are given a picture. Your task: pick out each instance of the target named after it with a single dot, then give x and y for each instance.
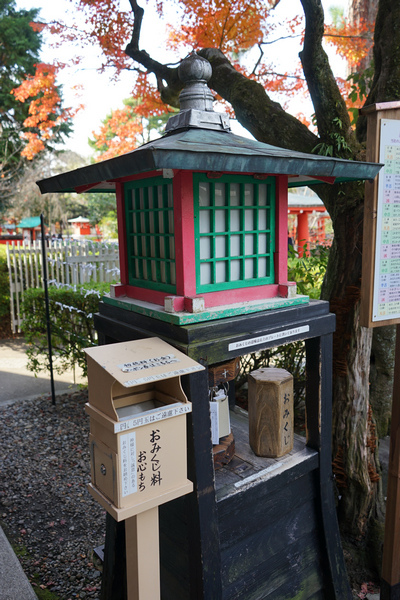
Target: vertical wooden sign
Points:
(380, 284)
(380, 299)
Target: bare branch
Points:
(330, 109)
(258, 61)
(168, 83)
(265, 119)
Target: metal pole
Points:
(46, 297)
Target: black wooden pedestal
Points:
(257, 528)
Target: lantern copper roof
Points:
(199, 139)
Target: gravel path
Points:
(45, 509)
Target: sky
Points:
(100, 95)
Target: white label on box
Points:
(166, 375)
(152, 416)
(148, 363)
(262, 339)
(128, 463)
(214, 414)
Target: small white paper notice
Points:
(128, 463)
(214, 414)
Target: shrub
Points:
(72, 327)
(308, 272)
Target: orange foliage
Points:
(230, 25)
(119, 134)
(151, 103)
(106, 25)
(233, 26)
(352, 41)
(45, 114)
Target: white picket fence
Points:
(68, 263)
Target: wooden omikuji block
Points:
(271, 412)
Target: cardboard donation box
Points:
(137, 412)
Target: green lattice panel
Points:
(150, 234)
(234, 232)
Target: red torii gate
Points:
(301, 206)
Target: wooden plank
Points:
(319, 402)
(10, 248)
(17, 292)
(280, 537)
(245, 462)
(305, 578)
(262, 504)
(38, 264)
(201, 510)
(32, 273)
(142, 556)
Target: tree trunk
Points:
(355, 463)
(381, 376)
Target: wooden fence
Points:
(68, 263)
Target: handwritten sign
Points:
(148, 363)
(386, 298)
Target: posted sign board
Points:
(380, 290)
(386, 298)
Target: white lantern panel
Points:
(205, 273)
(234, 194)
(235, 220)
(249, 220)
(249, 244)
(219, 192)
(205, 221)
(220, 272)
(204, 194)
(205, 248)
(235, 270)
(220, 246)
(248, 268)
(220, 223)
(235, 245)
(248, 194)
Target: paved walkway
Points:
(17, 383)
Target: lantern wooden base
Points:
(209, 314)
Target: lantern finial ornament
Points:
(194, 71)
(196, 100)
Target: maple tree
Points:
(26, 127)
(45, 113)
(224, 33)
(124, 129)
